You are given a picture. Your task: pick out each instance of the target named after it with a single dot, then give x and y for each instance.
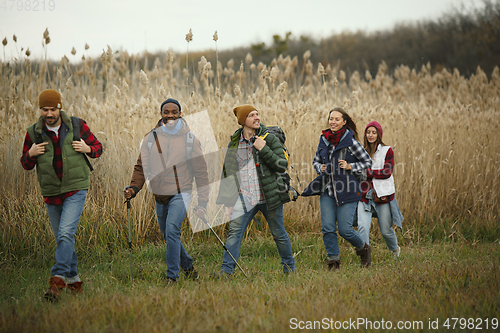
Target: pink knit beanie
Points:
(377, 126)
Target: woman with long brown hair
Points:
(339, 154)
(378, 191)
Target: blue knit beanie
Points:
(170, 100)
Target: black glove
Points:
(136, 190)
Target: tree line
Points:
(462, 38)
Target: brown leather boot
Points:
(365, 254)
(75, 288)
(333, 264)
(53, 294)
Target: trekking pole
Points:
(129, 239)
(224, 246)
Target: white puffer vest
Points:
(383, 187)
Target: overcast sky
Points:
(161, 25)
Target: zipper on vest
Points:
(333, 185)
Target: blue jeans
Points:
(343, 216)
(170, 217)
(384, 222)
(64, 221)
(276, 224)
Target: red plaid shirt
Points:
(29, 163)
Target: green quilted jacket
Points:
(270, 163)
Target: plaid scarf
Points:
(334, 137)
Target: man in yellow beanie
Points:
(63, 175)
(255, 159)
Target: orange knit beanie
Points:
(50, 98)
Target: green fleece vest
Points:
(75, 170)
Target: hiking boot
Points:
(53, 294)
(75, 288)
(171, 281)
(333, 264)
(190, 273)
(365, 254)
(395, 254)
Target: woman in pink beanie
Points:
(378, 191)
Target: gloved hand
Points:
(199, 211)
(129, 192)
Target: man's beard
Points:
(51, 120)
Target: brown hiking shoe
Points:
(333, 264)
(365, 254)
(53, 294)
(75, 288)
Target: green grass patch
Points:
(430, 281)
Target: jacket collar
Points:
(259, 132)
(183, 130)
(64, 117)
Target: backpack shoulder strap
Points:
(75, 121)
(263, 137)
(152, 138)
(189, 144)
(189, 151)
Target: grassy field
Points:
(430, 281)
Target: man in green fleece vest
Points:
(63, 175)
(254, 160)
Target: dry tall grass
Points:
(443, 127)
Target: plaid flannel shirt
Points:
(29, 163)
(249, 181)
(357, 150)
